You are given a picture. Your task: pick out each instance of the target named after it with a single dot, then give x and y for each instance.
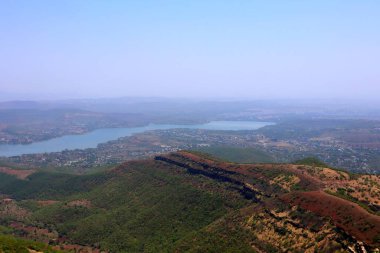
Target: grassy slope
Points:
(238, 155)
(312, 161)
(223, 235)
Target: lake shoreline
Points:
(93, 138)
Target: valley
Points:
(325, 139)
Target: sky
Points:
(200, 48)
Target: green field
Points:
(238, 155)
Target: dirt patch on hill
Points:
(80, 202)
(78, 248)
(33, 232)
(20, 174)
(47, 202)
(10, 210)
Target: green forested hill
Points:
(139, 207)
(144, 209)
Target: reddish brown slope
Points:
(21, 174)
(349, 216)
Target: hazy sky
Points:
(251, 49)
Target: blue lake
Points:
(92, 139)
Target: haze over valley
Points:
(189, 126)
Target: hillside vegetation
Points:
(189, 202)
(10, 244)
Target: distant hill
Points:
(20, 105)
(188, 202)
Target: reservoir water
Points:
(92, 139)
